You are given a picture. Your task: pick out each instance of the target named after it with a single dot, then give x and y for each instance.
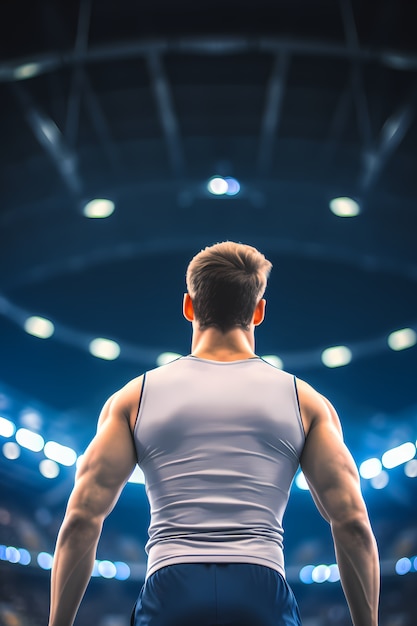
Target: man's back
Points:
(219, 444)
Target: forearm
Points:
(73, 563)
(357, 558)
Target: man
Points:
(219, 435)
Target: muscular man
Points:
(219, 435)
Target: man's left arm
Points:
(105, 468)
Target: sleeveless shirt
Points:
(219, 445)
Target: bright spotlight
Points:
(30, 440)
(305, 574)
(233, 186)
(403, 566)
(410, 468)
(11, 450)
(344, 207)
(218, 186)
(45, 560)
(402, 339)
(104, 349)
(370, 468)
(320, 573)
(48, 468)
(7, 428)
(98, 208)
(59, 453)
(39, 327)
(107, 569)
(399, 455)
(337, 356)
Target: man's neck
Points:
(234, 345)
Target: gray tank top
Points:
(219, 444)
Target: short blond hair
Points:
(225, 282)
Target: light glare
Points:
(380, 481)
(106, 569)
(7, 428)
(344, 207)
(402, 339)
(104, 349)
(233, 186)
(45, 560)
(30, 440)
(320, 573)
(217, 186)
(397, 456)
(11, 450)
(59, 453)
(39, 327)
(98, 208)
(337, 356)
(410, 468)
(370, 468)
(48, 468)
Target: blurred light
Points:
(233, 186)
(273, 359)
(98, 208)
(334, 575)
(30, 440)
(380, 481)
(301, 482)
(45, 560)
(410, 468)
(79, 460)
(306, 574)
(61, 454)
(370, 468)
(7, 428)
(106, 569)
(12, 555)
(337, 356)
(166, 357)
(48, 468)
(397, 456)
(344, 207)
(11, 450)
(104, 349)
(25, 557)
(31, 419)
(3, 552)
(320, 573)
(122, 570)
(217, 186)
(403, 566)
(39, 327)
(402, 339)
(28, 70)
(137, 476)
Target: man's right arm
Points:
(334, 483)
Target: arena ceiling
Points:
(143, 103)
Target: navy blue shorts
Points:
(216, 594)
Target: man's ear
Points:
(259, 314)
(187, 308)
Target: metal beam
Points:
(391, 135)
(80, 49)
(272, 112)
(165, 105)
(51, 139)
(35, 65)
